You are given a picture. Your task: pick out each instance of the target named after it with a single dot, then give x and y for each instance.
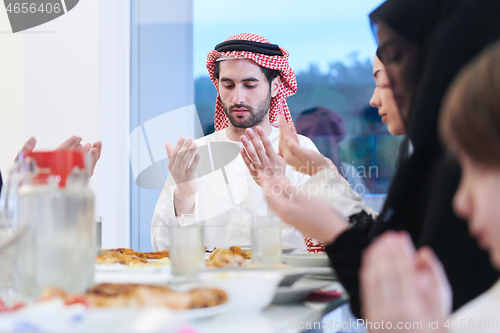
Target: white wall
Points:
(11, 93)
(70, 76)
(61, 77)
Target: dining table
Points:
(324, 310)
(307, 316)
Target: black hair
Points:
(270, 74)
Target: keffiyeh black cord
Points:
(249, 46)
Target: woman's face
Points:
(402, 61)
(477, 201)
(383, 99)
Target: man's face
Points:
(245, 92)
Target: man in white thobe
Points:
(253, 79)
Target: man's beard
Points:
(255, 116)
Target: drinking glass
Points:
(98, 234)
(187, 246)
(17, 262)
(266, 240)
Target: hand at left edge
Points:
(72, 143)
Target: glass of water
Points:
(17, 262)
(187, 246)
(266, 240)
(98, 234)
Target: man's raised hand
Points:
(183, 171)
(301, 159)
(95, 153)
(259, 155)
(72, 143)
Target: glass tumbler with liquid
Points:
(266, 240)
(187, 246)
(17, 253)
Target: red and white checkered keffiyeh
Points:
(288, 85)
(314, 246)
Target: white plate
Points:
(54, 316)
(284, 249)
(202, 312)
(125, 277)
(291, 275)
(186, 314)
(119, 268)
(307, 259)
(298, 291)
(328, 273)
(288, 249)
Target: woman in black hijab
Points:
(447, 34)
(423, 44)
(443, 37)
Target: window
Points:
(331, 51)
